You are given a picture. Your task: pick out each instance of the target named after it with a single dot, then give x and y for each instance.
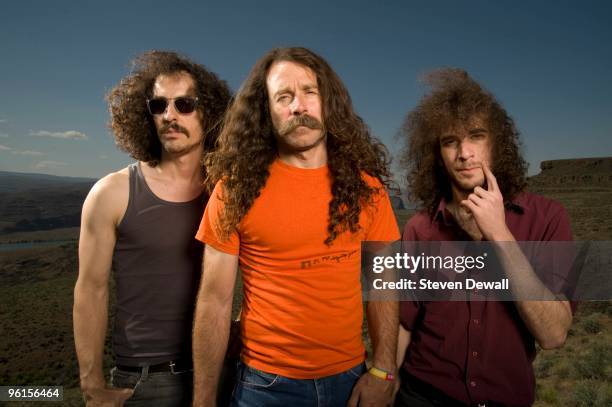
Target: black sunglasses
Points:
(183, 104)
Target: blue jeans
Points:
(255, 388)
(164, 389)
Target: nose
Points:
(170, 113)
(465, 150)
(298, 106)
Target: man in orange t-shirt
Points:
(300, 183)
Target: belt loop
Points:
(112, 374)
(144, 375)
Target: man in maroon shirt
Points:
(476, 352)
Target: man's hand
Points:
(106, 397)
(487, 208)
(371, 391)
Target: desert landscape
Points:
(39, 218)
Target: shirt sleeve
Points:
(559, 230)
(383, 225)
(559, 227)
(409, 310)
(408, 314)
(208, 231)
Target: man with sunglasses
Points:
(140, 222)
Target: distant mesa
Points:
(32, 202)
(574, 173)
(23, 181)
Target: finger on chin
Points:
(491, 180)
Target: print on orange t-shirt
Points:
(302, 308)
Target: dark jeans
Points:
(164, 389)
(255, 388)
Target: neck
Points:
(458, 196)
(185, 166)
(315, 157)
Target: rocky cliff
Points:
(574, 173)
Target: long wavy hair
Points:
(247, 146)
(131, 122)
(456, 98)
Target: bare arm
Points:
(547, 320)
(212, 323)
(101, 210)
(383, 322)
(403, 341)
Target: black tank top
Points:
(157, 265)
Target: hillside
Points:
(22, 181)
(30, 202)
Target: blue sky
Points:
(549, 63)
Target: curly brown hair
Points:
(131, 122)
(247, 146)
(456, 98)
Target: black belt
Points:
(434, 394)
(426, 390)
(174, 366)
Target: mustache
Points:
(469, 165)
(301, 120)
(173, 126)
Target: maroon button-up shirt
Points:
(481, 350)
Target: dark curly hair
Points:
(131, 122)
(247, 146)
(456, 98)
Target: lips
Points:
(467, 171)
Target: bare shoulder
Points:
(108, 198)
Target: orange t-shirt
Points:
(302, 309)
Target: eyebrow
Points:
(281, 91)
(478, 130)
(286, 89)
(447, 137)
(190, 92)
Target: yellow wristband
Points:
(381, 374)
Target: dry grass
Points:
(37, 348)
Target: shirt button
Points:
(475, 354)
(473, 383)
(476, 322)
